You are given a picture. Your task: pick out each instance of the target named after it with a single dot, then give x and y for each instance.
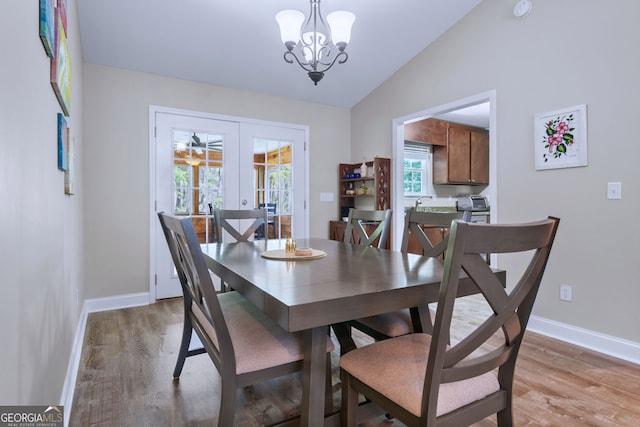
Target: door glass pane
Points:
(273, 180)
(197, 177)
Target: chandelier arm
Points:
(305, 66)
(341, 61)
(340, 58)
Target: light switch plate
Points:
(614, 190)
(326, 197)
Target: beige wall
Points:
(567, 52)
(95, 244)
(117, 162)
(40, 227)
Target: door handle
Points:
(244, 202)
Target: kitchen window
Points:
(417, 169)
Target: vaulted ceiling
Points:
(236, 43)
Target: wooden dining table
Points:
(308, 295)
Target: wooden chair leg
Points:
(328, 388)
(187, 330)
(227, 405)
(505, 376)
(505, 417)
(349, 410)
(343, 334)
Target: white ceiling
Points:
(475, 115)
(236, 43)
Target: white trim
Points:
(152, 202)
(69, 387)
(117, 302)
(606, 344)
(153, 109)
(91, 306)
(397, 201)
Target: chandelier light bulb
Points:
(340, 23)
(290, 22)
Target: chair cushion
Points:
(258, 342)
(391, 324)
(396, 368)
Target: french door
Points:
(204, 163)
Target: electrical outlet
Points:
(566, 293)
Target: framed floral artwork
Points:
(561, 138)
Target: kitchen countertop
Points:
(449, 209)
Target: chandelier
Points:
(315, 46)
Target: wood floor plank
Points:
(125, 379)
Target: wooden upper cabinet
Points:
(465, 158)
(459, 158)
(429, 131)
(480, 157)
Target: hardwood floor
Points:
(125, 379)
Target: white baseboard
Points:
(66, 400)
(117, 302)
(606, 344)
(91, 306)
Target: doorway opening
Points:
(478, 110)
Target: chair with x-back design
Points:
(356, 232)
(421, 379)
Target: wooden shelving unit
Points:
(378, 186)
(378, 183)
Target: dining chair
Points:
(356, 232)
(213, 237)
(402, 322)
(422, 380)
(241, 233)
(245, 346)
(271, 221)
(222, 218)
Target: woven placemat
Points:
(281, 254)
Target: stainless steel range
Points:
(471, 204)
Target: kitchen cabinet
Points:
(465, 157)
(429, 131)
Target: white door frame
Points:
(397, 193)
(153, 216)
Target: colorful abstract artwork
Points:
(62, 8)
(61, 66)
(63, 143)
(69, 174)
(561, 138)
(47, 26)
